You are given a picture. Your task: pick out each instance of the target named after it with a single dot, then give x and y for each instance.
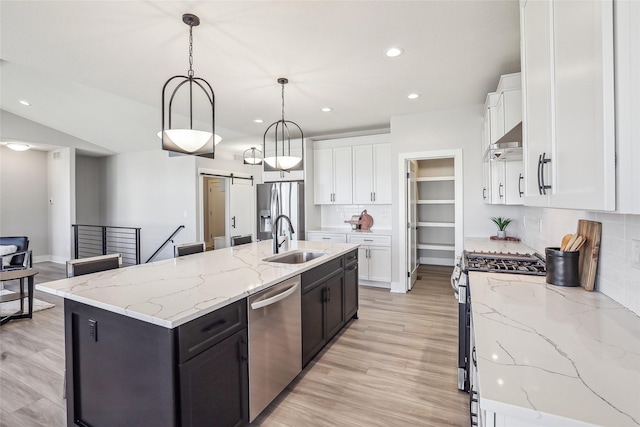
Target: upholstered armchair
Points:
(15, 253)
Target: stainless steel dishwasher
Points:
(275, 342)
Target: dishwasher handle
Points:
(274, 299)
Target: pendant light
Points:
(252, 156)
(186, 139)
(280, 156)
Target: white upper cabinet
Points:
(354, 170)
(372, 174)
(332, 176)
(568, 126)
(627, 68)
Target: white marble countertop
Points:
(380, 231)
(554, 356)
(174, 291)
(485, 244)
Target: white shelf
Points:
(436, 224)
(435, 178)
(435, 202)
(436, 246)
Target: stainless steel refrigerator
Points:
(280, 198)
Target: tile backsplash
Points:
(618, 274)
(334, 216)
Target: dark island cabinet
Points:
(326, 290)
(125, 372)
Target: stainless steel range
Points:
(500, 262)
(489, 262)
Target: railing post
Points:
(75, 241)
(104, 240)
(137, 246)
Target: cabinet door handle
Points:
(233, 223)
(242, 350)
(500, 190)
(543, 161)
(484, 193)
(326, 238)
(520, 178)
(214, 325)
(539, 174)
(368, 240)
(371, 197)
(374, 196)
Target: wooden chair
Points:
(78, 267)
(188, 249)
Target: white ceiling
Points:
(95, 69)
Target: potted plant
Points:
(502, 224)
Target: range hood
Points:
(509, 147)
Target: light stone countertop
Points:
(485, 244)
(554, 356)
(174, 291)
(380, 231)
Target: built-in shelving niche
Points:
(436, 211)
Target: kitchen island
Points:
(165, 343)
(550, 355)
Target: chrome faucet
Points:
(274, 232)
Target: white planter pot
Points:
(501, 234)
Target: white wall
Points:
(23, 198)
(61, 195)
(445, 130)
(90, 190)
(151, 190)
(618, 276)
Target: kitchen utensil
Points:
(584, 240)
(588, 263)
(366, 220)
(578, 243)
(565, 240)
(354, 221)
(571, 241)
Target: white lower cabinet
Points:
(374, 257)
(313, 236)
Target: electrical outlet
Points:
(635, 252)
(540, 225)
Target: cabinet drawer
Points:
(202, 333)
(319, 274)
(370, 240)
(351, 258)
(327, 237)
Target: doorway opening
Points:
(431, 210)
(214, 212)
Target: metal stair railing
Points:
(93, 240)
(166, 242)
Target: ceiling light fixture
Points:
(18, 146)
(327, 109)
(188, 140)
(252, 156)
(25, 102)
(280, 157)
(393, 52)
(258, 121)
(413, 96)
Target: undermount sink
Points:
(294, 257)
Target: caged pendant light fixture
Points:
(278, 155)
(252, 156)
(185, 139)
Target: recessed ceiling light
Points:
(413, 96)
(258, 121)
(327, 109)
(18, 146)
(24, 102)
(393, 52)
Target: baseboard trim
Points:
(49, 258)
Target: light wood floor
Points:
(394, 366)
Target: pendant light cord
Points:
(282, 101)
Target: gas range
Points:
(500, 262)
